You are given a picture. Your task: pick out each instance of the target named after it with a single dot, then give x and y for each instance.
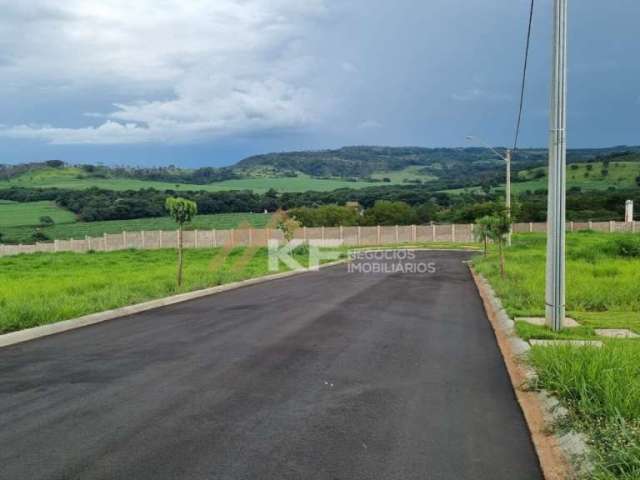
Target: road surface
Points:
(329, 375)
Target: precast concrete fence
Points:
(349, 236)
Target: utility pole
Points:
(508, 194)
(556, 213)
(507, 159)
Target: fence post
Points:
(397, 234)
(251, 237)
(304, 234)
(359, 237)
(159, 238)
(433, 232)
(590, 225)
(214, 240)
(233, 237)
(379, 235)
(322, 234)
(571, 226)
(142, 239)
(414, 233)
(124, 239)
(87, 242)
(195, 239)
(453, 232)
(341, 230)
(56, 245)
(106, 241)
(530, 227)
(612, 226)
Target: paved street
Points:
(329, 375)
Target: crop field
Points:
(75, 179)
(19, 214)
(599, 386)
(23, 234)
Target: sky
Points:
(207, 83)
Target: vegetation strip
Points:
(34, 333)
(598, 387)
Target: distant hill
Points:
(348, 167)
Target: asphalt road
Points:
(329, 375)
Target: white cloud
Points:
(190, 69)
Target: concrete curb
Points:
(34, 333)
(562, 456)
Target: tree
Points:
(46, 221)
(385, 212)
(482, 230)
(499, 228)
(285, 224)
(182, 211)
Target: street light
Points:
(507, 193)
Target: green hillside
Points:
(587, 176)
(76, 179)
(20, 214)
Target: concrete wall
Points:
(351, 236)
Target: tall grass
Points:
(603, 274)
(599, 386)
(38, 289)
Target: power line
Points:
(524, 76)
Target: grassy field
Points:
(45, 288)
(600, 387)
(76, 179)
(19, 214)
(587, 176)
(23, 234)
(405, 175)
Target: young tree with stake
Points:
(499, 229)
(182, 211)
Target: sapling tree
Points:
(286, 224)
(482, 230)
(182, 211)
(499, 229)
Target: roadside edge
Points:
(539, 408)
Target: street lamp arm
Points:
(486, 145)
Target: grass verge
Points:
(599, 387)
(38, 289)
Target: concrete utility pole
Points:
(556, 215)
(508, 194)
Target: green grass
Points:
(19, 214)
(620, 175)
(76, 179)
(38, 289)
(95, 229)
(599, 387)
(406, 174)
